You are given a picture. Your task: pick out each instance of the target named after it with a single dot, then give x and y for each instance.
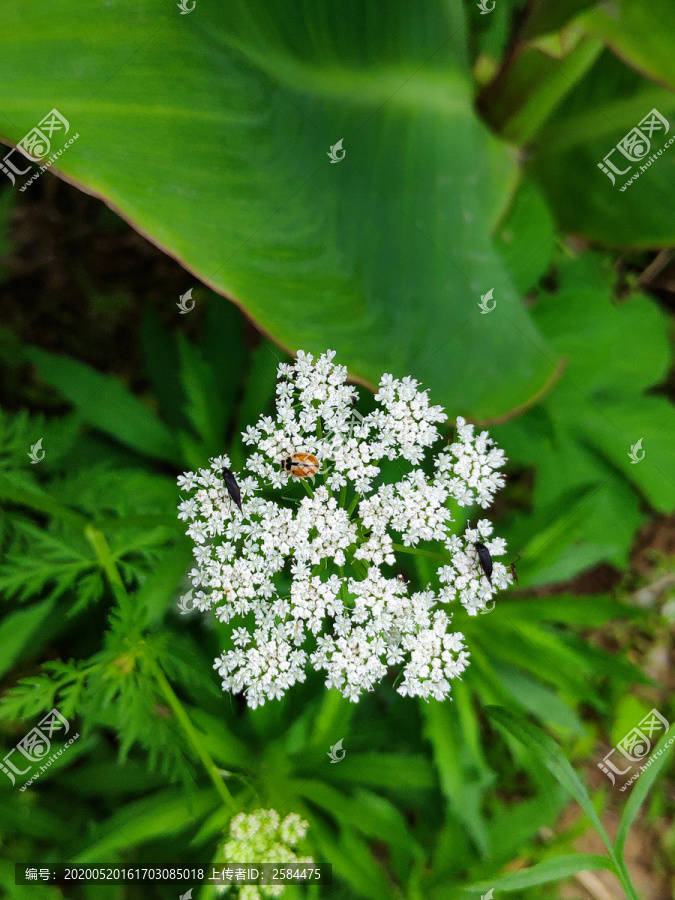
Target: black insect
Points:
(232, 487)
(484, 559)
(512, 566)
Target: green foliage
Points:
(383, 258)
(103, 403)
(638, 35)
(38, 560)
(543, 748)
(589, 497)
(113, 688)
(602, 108)
(274, 224)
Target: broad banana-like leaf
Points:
(211, 131)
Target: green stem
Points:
(624, 878)
(628, 888)
(415, 551)
(191, 732)
(114, 524)
(107, 562)
(330, 712)
(344, 592)
(360, 568)
(619, 864)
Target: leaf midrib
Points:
(447, 90)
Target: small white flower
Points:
(307, 578)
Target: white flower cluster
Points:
(309, 577)
(262, 837)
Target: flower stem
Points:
(189, 729)
(343, 586)
(353, 504)
(415, 551)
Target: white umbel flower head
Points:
(306, 573)
(263, 837)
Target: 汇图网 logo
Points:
(37, 145)
(635, 746)
(635, 146)
(35, 746)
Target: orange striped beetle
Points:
(300, 465)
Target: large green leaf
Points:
(602, 109)
(602, 401)
(526, 237)
(589, 494)
(635, 31)
(210, 133)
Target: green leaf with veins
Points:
(382, 257)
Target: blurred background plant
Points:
(472, 143)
